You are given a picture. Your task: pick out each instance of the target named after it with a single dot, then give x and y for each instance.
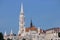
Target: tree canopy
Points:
(1, 36)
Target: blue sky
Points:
(44, 13)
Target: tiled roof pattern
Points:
(33, 28)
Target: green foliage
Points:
(1, 36)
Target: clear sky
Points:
(44, 13)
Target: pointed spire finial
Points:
(31, 23)
(5, 34)
(21, 7)
(11, 32)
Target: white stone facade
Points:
(33, 33)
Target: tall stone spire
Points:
(5, 34)
(22, 8)
(11, 32)
(21, 20)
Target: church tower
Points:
(21, 20)
(11, 34)
(5, 36)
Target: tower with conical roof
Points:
(21, 20)
(5, 36)
(11, 34)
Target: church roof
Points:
(55, 29)
(33, 28)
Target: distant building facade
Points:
(32, 33)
